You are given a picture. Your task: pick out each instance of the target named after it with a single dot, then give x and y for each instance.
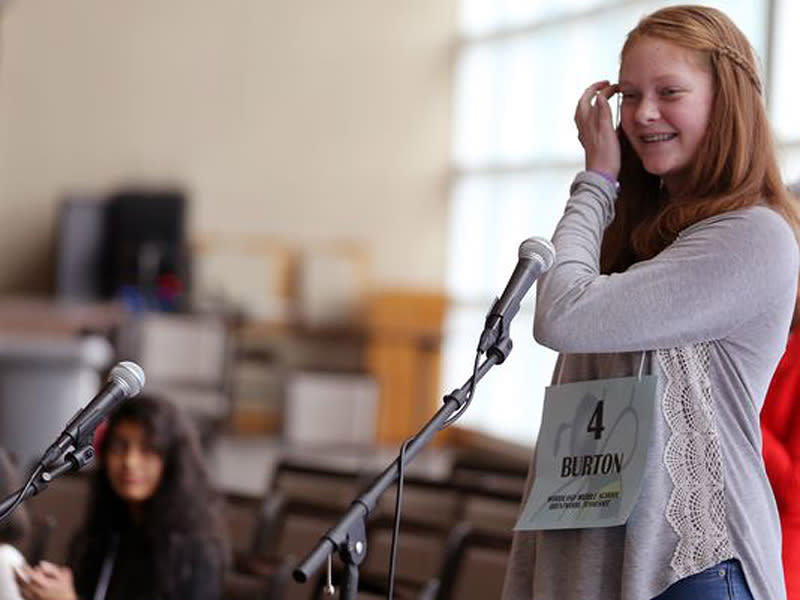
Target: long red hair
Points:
(736, 164)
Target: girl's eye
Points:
(116, 447)
(150, 449)
(670, 92)
(628, 96)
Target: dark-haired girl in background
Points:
(154, 528)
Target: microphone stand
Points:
(73, 459)
(349, 537)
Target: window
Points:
(784, 88)
(520, 68)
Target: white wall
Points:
(304, 119)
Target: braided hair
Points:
(736, 164)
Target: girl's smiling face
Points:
(667, 93)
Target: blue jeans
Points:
(724, 581)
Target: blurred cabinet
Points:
(267, 358)
(44, 380)
(396, 345)
(186, 358)
(404, 330)
(330, 409)
(52, 359)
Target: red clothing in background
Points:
(780, 426)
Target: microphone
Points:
(536, 255)
(125, 380)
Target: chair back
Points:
(58, 513)
(475, 566)
(187, 360)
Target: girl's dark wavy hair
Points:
(183, 506)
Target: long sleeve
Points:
(10, 559)
(718, 275)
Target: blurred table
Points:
(52, 355)
(37, 315)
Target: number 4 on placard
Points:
(596, 422)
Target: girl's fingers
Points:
(38, 579)
(22, 574)
(609, 90)
(584, 103)
(48, 568)
(26, 593)
(602, 109)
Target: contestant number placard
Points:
(591, 453)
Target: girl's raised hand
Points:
(45, 582)
(595, 130)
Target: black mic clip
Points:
(73, 459)
(81, 456)
(495, 339)
(77, 454)
(77, 450)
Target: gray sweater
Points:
(712, 312)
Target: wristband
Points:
(605, 175)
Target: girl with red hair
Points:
(677, 252)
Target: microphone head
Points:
(130, 375)
(538, 249)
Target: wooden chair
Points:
(503, 479)
(253, 578)
(420, 554)
(242, 515)
(329, 488)
(474, 567)
(425, 502)
(490, 511)
(296, 529)
(58, 513)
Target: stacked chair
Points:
(455, 532)
(449, 528)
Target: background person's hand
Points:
(595, 130)
(45, 581)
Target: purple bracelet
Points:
(607, 176)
